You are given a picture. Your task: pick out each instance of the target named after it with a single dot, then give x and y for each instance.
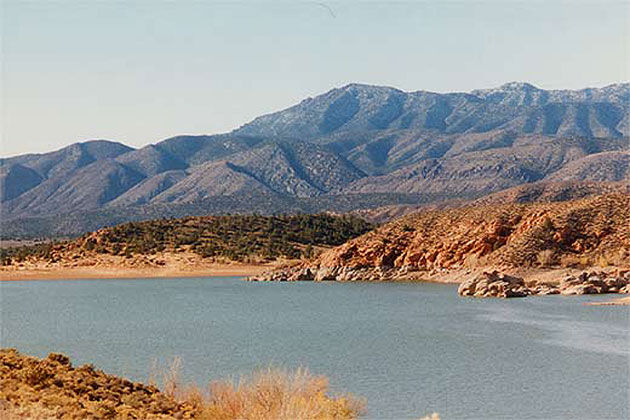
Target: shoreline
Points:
(624, 301)
(102, 273)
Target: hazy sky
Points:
(141, 71)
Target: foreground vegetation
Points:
(52, 388)
(236, 238)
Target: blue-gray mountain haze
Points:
(355, 146)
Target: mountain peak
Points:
(509, 88)
(367, 87)
(518, 86)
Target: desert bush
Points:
(546, 258)
(278, 394)
(613, 258)
(269, 393)
(170, 378)
(585, 260)
(570, 260)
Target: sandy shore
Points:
(77, 273)
(624, 301)
(105, 266)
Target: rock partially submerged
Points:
(284, 274)
(596, 283)
(495, 284)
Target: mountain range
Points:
(357, 146)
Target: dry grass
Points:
(270, 393)
(546, 258)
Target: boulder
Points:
(580, 289)
(494, 284)
(544, 289)
(593, 283)
(326, 274)
(304, 274)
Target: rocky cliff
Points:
(576, 233)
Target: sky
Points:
(138, 72)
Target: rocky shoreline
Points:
(348, 274)
(496, 284)
(485, 283)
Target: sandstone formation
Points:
(478, 239)
(302, 273)
(578, 233)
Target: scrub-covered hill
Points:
(196, 240)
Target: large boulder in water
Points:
(494, 284)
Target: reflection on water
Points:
(562, 330)
(410, 349)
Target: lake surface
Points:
(410, 349)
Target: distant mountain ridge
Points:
(593, 112)
(355, 141)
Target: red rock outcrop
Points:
(540, 234)
(594, 231)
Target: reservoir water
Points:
(409, 349)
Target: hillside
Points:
(579, 233)
(221, 238)
(354, 147)
(535, 192)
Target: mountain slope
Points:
(517, 106)
(528, 159)
(89, 187)
(16, 179)
(608, 166)
(151, 160)
(68, 159)
(144, 191)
